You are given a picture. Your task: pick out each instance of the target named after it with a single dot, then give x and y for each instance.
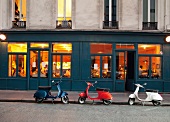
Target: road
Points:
(58, 112)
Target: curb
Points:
(87, 102)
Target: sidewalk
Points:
(120, 98)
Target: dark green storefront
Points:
(81, 59)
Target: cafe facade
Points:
(115, 59)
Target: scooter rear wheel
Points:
(107, 102)
(156, 103)
(131, 101)
(39, 100)
(65, 99)
(81, 100)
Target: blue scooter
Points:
(43, 93)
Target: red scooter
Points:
(103, 95)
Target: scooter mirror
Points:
(95, 82)
(145, 84)
(52, 81)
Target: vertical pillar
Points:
(64, 9)
(20, 14)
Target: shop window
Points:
(62, 47)
(100, 48)
(101, 60)
(61, 60)
(149, 49)
(61, 66)
(125, 46)
(17, 59)
(39, 45)
(150, 67)
(17, 47)
(17, 65)
(100, 66)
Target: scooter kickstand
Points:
(52, 101)
(143, 103)
(93, 102)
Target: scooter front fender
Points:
(83, 95)
(106, 96)
(64, 94)
(132, 96)
(40, 94)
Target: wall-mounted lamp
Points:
(167, 39)
(2, 37)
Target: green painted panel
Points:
(166, 86)
(17, 84)
(76, 61)
(3, 60)
(85, 61)
(157, 85)
(33, 84)
(3, 84)
(119, 86)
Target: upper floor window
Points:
(110, 20)
(19, 13)
(64, 13)
(149, 15)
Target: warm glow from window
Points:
(40, 45)
(62, 47)
(17, 47)
(149, 49)
(64, 10)
(100, 48)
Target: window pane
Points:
(33, 63)
(68, 8)
(149, 49)
(56, 66)
(106, 66)
(39, 45)
(156, 67)
(120, 70)
(17, 47)
(44, 64)
(100, 48)
(125, 46)
(20, 4)
(12, 65)
(95, 66)
(60, 8)
(66, 65)
(22, 65)
(62, 47)
(143, 67)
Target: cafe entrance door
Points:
(125, 70)
(39, 68)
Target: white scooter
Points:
(152, 96)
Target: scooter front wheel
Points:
(131, 101)
(65, 99)
(107, 102)
(81, 100)
(39, 100)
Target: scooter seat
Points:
(44, 87)
(102, 89)
(151, 90)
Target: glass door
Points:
(121, 65)
(39, 66)
(125, 70)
